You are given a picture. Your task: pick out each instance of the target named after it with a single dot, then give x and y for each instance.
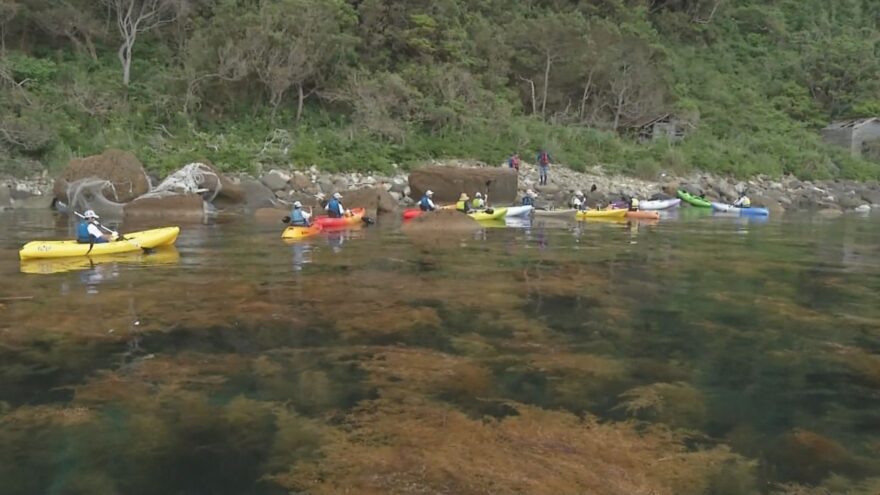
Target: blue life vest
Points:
(333, 208)
(528, 201)
(82, 233)
(297, 218)
(425, 204)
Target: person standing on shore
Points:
(514, 161)
(543, 159)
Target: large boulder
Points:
(276, 180)
(179, 208)
(121, 168)
(256, 195)
(204, 178)
(449, 182)
(374, 199)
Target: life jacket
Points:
(297, 218)
(544, 158)
(528, 201)
(478, 203)
(425, 204)
(82, 233)
(333, 208)
(634, 204)
(464, 206)
(746, 202)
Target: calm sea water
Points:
(237, 363)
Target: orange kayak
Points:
(325, 221)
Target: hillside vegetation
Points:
(362, 84)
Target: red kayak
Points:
(411, 213)
(357, 214)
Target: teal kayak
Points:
(693, 200)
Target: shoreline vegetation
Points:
(360, 86)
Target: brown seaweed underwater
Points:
(706, 357)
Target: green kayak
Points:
(693, 200)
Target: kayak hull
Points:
(357, 215)
(693, 200)
(590, 214)
(519, 211)
(296, 232)
(660, 204)
(482, 215)
(410, 213)
(752, 211)
(135, 241)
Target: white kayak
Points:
(561, 213)
(519, 211)
(659, 204)
(752, 211)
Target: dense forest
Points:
(364, 84)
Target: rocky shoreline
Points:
(277, 189)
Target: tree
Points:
(72, 20)
(134, 17)
(8, 11)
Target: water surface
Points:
(697, 355)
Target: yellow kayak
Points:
(135, 241)
(295, 232)
(167, 255)
(482, 215)
(583, 215)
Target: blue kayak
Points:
(754, 211)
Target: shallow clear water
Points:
(237, 363)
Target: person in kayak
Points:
(478, 203)
(743, 202)
(88, 231)
(464, 204)
(529, 198)
(298, 217)
(634, 204)
(426, 203)
(334, 206)
(578, 201)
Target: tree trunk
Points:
(546, 84)
(299, 105)
(125, 59)
(534, 97)
(587, 87)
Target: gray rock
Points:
(5, 197)
(396, 195)
(850, 201)
(325, 186)
(275, 180)
(398, 186)
(871, 196)
(724, 189)
(257, 195)
(863, 209)
(300, 181)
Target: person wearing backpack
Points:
(543, 161)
